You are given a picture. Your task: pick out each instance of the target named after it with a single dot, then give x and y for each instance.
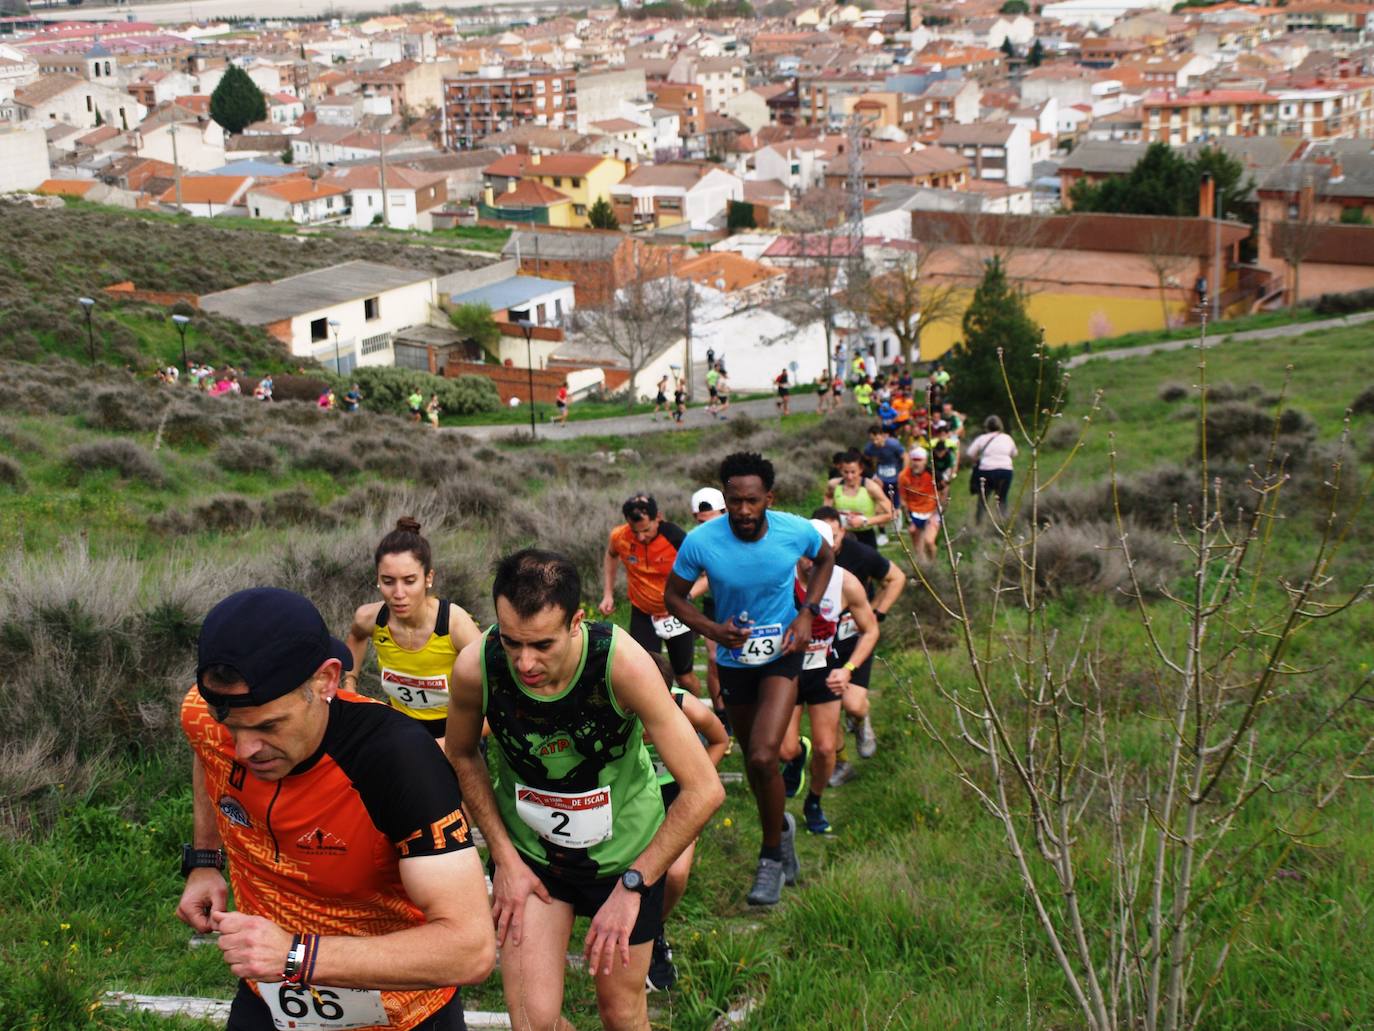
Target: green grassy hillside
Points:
(120, 529)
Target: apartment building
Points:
(480, 105)
(1340, 110)
(1179, 118)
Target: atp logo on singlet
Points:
(556, 752)
(321, 842)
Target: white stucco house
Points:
(299, 200)
(369, 302)
(23, 157)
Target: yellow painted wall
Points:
(1070, 318)
(595, 184)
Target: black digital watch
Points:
(200, 858)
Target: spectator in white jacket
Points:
(990, 456)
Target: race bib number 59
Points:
(299, 1008)
(668, 626)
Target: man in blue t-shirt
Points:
(750, 559)
(888, 458)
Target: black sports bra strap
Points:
(441, 620)
(383, 615)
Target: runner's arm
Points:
(462, 627)
(702, 586)
(609, 561)
(359, 633)
(454, 945)
(892, 585)
(205, 890)
(830, 492)
(882, 504)
(675, 600)
(796, 637)
(856, 601)
(708, 724)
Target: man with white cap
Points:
(823, 679)
(921, 498)
(709, 503)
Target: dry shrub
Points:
(1364, 402)
(1242, 431)
(1172, 392)
(1150, 499)
(334, 460)
(122, 410)
(1222, 392)
(131, 461)
(298, 413)
(1063, 436)
(246, 455)
(223, 513)
(296, 508)
(11, 473)
(202, 422)
(1088, 557)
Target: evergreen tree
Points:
(601, 215)
(996, 319)
(237, 102)
(1164, 182)
(1037, 54)
(740, 215)
(1007, 47)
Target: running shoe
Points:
(844, 773)
(815, 819)
(794, 770)
(882, 540)
(790, 866)
(868, 741)
(767, 889)
(662, 973)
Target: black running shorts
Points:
(681, 648)
(739, 685)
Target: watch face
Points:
(633, 880)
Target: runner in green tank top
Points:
(570, 810)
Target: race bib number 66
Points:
(300, 1008)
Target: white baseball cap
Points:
(919, 452)
(826, 531)
(708, 499)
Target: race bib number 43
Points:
(415, 692)
(667, 626)
(764, 645)
(578, 820)
(298, 1008)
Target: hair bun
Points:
(408, 524)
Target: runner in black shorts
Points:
(784, 401)
(750, 560)
(646, 544)
(870, 567)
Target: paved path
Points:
(633, 425)
(1292, 329)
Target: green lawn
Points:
(911, 915)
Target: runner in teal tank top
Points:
(570, 806)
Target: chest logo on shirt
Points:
(321, 842)
(556, 752)
(234, 812)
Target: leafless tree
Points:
(1166, 254)
(908, 300)
(643, 316)
(1126, 839)
(814, 284)
(1294, 238)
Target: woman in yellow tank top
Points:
(416, 637)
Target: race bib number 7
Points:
(300, 1008)
(668, 626)
(764, 645)
(578, 820)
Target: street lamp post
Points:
(181, 323)
(88, 303)
(334, 324)
(528, 327)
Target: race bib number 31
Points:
(764, 645)
(415, 692)
(578, 820)
(298, 1008)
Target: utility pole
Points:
(176, 163)
(689, 302)
(386, 210)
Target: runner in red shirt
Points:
(920, 497)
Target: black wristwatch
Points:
(200, 858)
(813, 607)
(633, 880)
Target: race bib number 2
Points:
(299, 1008)
(764, 645)
(578, 820)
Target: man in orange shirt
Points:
(359, 899)
(646, 545)
(902, 404)
(920, 497)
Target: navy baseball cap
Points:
(274, 639)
